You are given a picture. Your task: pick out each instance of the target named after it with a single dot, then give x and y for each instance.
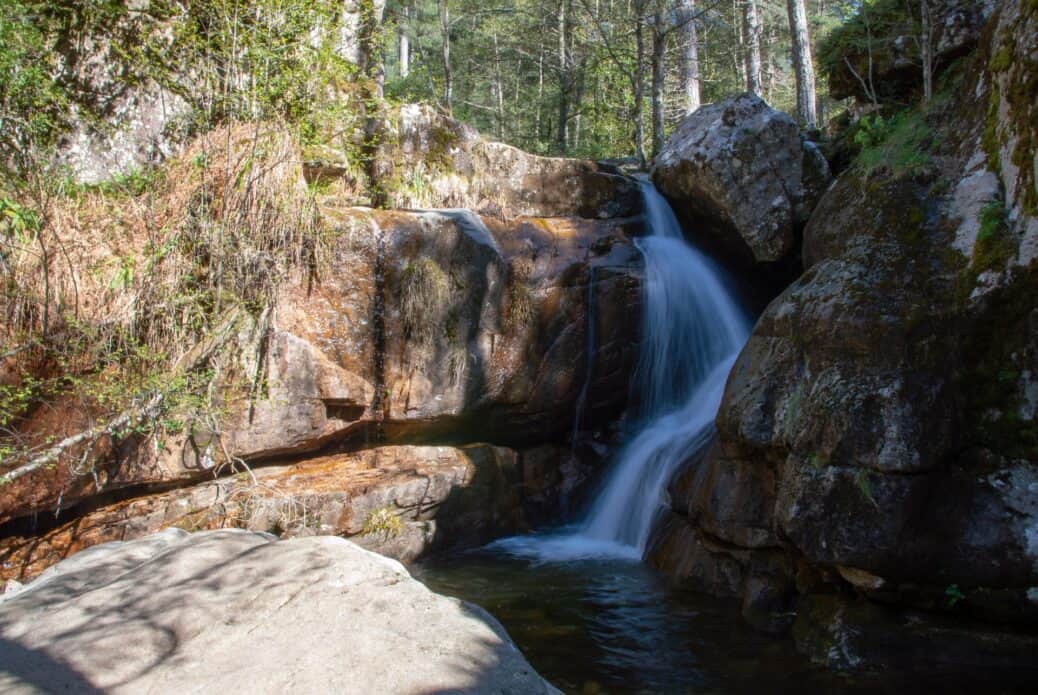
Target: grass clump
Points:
(384, 523)
(995, 245)
(424, 297)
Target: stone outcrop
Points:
(234, 611)
(402, 501)
(878, 432)
(744, 181)
(425, 159)
(889, 64)
(415, 327)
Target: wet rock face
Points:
(318, 614)
(743, 179)
(465, 328)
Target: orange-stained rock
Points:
(449, 496)
(418, 327)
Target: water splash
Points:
(692, 330)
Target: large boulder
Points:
(425, 159)
(234, 611)
(880, 427)
(744, 180)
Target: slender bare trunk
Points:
(405, 54)
(499, 89)
(751, 30)
(926, 49)
(802, 63)
(659, 48)
(565, 72)
(690, 57)
(448, 78)
(639, 85)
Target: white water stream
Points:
(692, 330)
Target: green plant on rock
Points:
(898, 146)
(995, 245)
(864, 485)
(520, 309)
(383, 523)
(424, 298)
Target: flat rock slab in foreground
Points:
(234, 611)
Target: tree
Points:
(802, 63)
(751, 32)
(690, 56)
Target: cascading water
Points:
(692, 330)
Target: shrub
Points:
(898, 146)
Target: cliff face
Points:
(878, 433)
(436, 326)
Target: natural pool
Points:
(612, 626)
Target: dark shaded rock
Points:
(892, 68)
(859, 635)
(879, 429)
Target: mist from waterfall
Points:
(692, 330)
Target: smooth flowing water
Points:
(588, 615)
(692, 330)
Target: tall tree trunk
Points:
(448, 77)
(659, 51)
(739, 54)
(499, 90)
(751, 30)
(639, 84)
(372, 67)
(690, 57)
(565, 72)
(802, 63)
(405, 47)
(926, 49)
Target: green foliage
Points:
(864, 485)
(869, 26)
(384, 523)
(995, 245)
(424, 296)
(898, 146)
(33, 106)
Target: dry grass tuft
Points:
(129, 280)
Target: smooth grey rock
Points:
(234, 611)
(742, 176)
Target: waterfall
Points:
(692, 330)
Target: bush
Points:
(898, 146)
